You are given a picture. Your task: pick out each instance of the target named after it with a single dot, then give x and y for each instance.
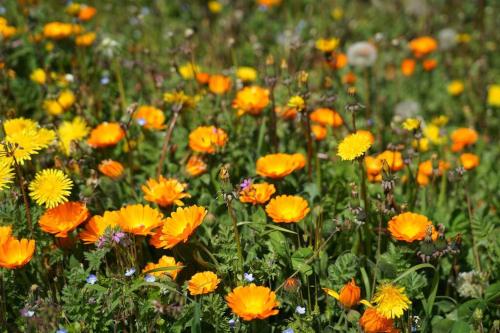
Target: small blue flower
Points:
(104, 80)
(129, 272)
(141, 121)
(231, 323)
(61, 330)
(149, 278)
(248, 277)
(289, 330)
(91, 279)
(300, 309)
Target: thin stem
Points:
(236, 233)
(25, 196)
(3, 313)
(307, 128)
(272, 125)
(166, 142)
(474, 245)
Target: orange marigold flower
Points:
(349, 78)
(422, 46)
(203, 283)
(252, 302)
(408, 67)
(326, 117)
(219, 84)
(179, 226)
(287, 208)
(202, 78)
(63, 218)
(279, 165)
(373, 322)
(195, 166)
(165, 266)
(207, 139)
(337, 60)
(106, 135)
(139, 219)
(426, 168)
(165, 191)
(251, 100)
(286, 112)
(97, 225)
(394, 159)
(349, 295)
(57, 30)
(462, 137)
(111, 169)
(150, 117)
(409, 227)
(86, 13)
(469, 161)
(373, 167)
(319, 132)
(5, 233)
(257, 193)
(86, 39)
(16, 253)
(422, 179)
(269, 3)
(429, 64)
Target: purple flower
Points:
(248, 277)
(149, 278)
(117, 236)
(246, 183)
(91, 279)
(129, 272)
(101, 241)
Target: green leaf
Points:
(196, 321)
(460, 327)
(492, 293)
(412, 269)
(299, 259)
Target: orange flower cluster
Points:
(252, 302)
(391, 158)
(14, 253)
(287, 209)
(279, 165)
(426, 171)
(207, 139)
(257, 193)
(166, 266)
(410, 227)
(463, 137)
(165, 192)
(251, 100)
(178, 227)
(63, 218)
(106, 135)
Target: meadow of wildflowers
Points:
(290, 166)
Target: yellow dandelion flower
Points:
(188, 70)
(297, 102)
(455, 87)
(12, 126)
(6, 173)
(391, 300)
(39, 76)
(353, 146)
(71, 131)
(50, 187)
(433, 133)
(411, 124)
(494, 95)
(26, 142)
(327, 45)
(440, 121)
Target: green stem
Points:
(236, 233)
